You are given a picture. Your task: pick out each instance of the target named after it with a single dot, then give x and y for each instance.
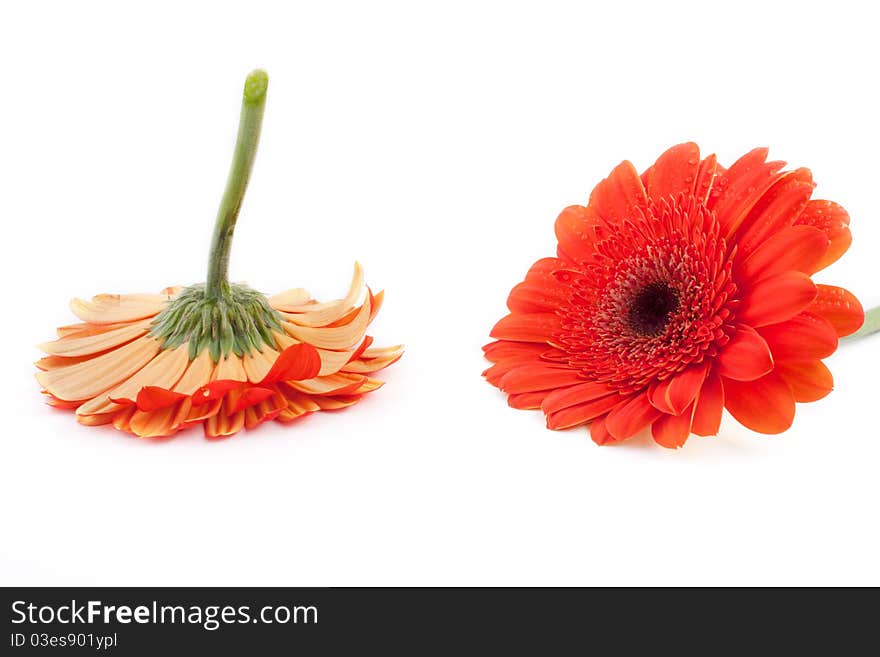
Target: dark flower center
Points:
(651, 307)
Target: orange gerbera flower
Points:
(217, 354)
(676, 294)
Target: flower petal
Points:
(529, 378)
(748, 179)
(599, 433)
(582, 413)
(627, 419)
(530, 327)
(776, 299)
(92, 377)
(746, 357)
(809, 380)
(574, 231)
(296, 363)
(77, 345)
(796, 248)
(573, 395)
(832, 220)
(710, 404)
(674, 172)
(803, 337)
(672, 431)
(840, 307)
(765, 405)
(776, 210)
(112, 308)
(676, 393)
(615, 198)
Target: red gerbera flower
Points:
(676, 294)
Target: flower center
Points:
(651, 307)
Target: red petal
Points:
(153, 398)
(676, 393)
(527, 400)
(573, 395)
(710, 404)
(615, 198)
(748, 178)
(809, 380)
(214, 391)
(599, 433)
(582, 413)
(776, 210)
(765, 405)
(776, 299)
(832, 220)
(296, 363)
(251, 397)
(672, 430)
(574, 230)
(746, 357)
(527, 327)
(533, 377)
(503, 349)
(796, 248)
(803, 337)
(840, 307)
(705, 177)
(674, 172)
(626, 420)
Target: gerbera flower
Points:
(678, 293)
(217, 354)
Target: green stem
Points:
(252, 105)
(871, 325)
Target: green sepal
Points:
(240, 321)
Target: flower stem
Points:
(252, 105)
(871, 325)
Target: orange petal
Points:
(809, 380)
(832, 220)
(530, 378)
(796, 248)
(672, 431)
(152, 398)
(776, 210)
(573, 395)
(77, 345)
(582, 413)
(251, 396)
(527, 400)
(765, 405)
(710, 404)
(627, 419)
(677, 392)
(502, 350)
(748, 178)
(746, 357)
(111, 308)
(840, 307)
(704, 178)
(297, 362)
(599, 433)
(531, 327)
(776, 299)
(803, 337)
(574, 231)
(619, 195)
(674, 172)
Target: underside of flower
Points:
(678, 293)
(215, 354)
(240, 321)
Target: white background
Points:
(435, 143)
